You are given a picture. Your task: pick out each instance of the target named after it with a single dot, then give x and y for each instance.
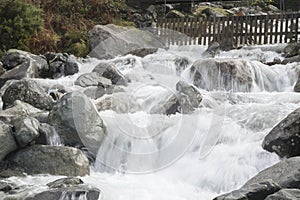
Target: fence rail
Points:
(238, 30)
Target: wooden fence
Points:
(238, 30)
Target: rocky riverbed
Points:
(201, 120)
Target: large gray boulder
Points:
(109, 41)
(7, 144)
(20, 64)
(54, 160)
(190, 97)
(256, 191)
(93, 79)
(27, 91)
(18, 109)
(292, 49)
(285, 194)
(110, 71)
(285, 173)
(284, 138)
(219, 74)
(26, 130)
(77, 121)
(85, 192)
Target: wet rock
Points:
(143, 52)
(110, 41)
(59, 65)
(77, 121)
(85, 192)
(285, 194)
(65, 182)
(48, 135)
(109, 71)
(97, 92)
(291, 60)
(169, 106)
(255, 191)
(232, 74)
(6, 187)
(191, 99)
(297, 86)
(93, 79)
(291, 50)
(285, 173)
(18, 109)
(20, 64)
(7, 144)
(27, 91)
(26, 130)
(284, 138)
(212, 50)
(54, 160)
(181, 64)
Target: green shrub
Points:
(19, 21)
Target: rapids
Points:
(216, 149)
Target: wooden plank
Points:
(255, 26)
(191, 31)
(200, 34)
(292, 29)
(236, 29)
(204, 31)
(241, 23)
(209, 20)
(266, 29)
(286, 31)
(271, 23)
(251, 30)
(297, 26)
(260, 33)
(247, 22)
(219, 21)
(281, 28)
(214, 29)
(276, 28)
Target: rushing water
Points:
(215, 149)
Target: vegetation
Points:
(56, 25)
(19, 21)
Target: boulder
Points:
(285, 194)
(190, 97)
(65, 182)
(297, 86)
(110, 71)
(18, 109)
(285, 173)
(291, 50)
(26, 130)
(54, 160)
(93, 79)
(291, 60)
(221, 74)
(48, 135)
(20, 64)
(212, 50)
(77, 121)
(284, 138)
(6, 187)
(109, 41)
(143, 52)
(181, 64)
(58, 65)
(97, 92)
(7, 144)
(27, 91)
(85, 192)
(256, 191)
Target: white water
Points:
(185, 157)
